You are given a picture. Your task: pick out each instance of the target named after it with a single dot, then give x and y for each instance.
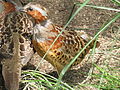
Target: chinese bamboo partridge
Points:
(69, 43)
(15, 50)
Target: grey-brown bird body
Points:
(15, 49)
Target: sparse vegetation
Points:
(105, 78)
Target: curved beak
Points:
(21, 9)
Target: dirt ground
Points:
(87, 18)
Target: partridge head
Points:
(37, 11)
(69, 43)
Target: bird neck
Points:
(45, 33)
(42, 31)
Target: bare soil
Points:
(106, 56)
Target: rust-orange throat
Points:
(38, 12)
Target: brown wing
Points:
(72, 42)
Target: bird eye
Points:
(30, 9)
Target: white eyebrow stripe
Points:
(40, 10)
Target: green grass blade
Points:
(116, 2)
(41, 80)
(99, 7)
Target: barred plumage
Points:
(15, 40)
